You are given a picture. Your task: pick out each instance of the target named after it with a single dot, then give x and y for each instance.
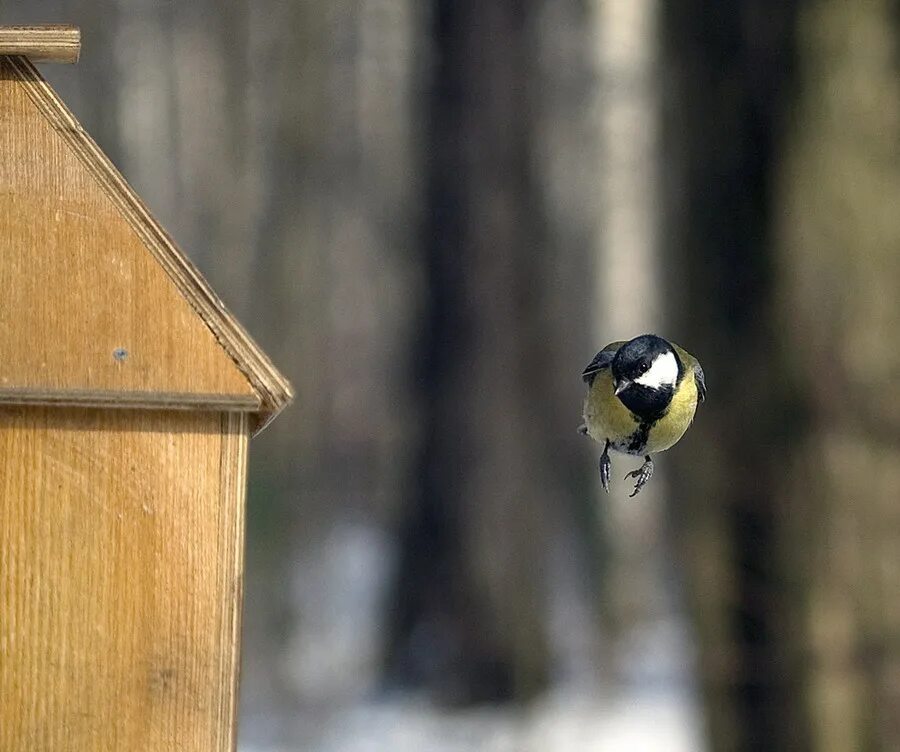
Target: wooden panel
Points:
(120, 579)
(271, 389)
(42, 44)
(86, 306)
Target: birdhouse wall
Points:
(121, 535)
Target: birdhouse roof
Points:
(98, 306)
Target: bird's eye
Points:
(644, 366)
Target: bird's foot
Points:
(643, 474)
(604, 468)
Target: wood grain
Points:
(121, 537)
(85, 272)
(42, 44)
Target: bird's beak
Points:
(622, 386)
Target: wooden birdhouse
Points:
(127, 397)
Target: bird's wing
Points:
(601, 360)
(692, 364)
(701, 381)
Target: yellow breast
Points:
(607, 418)
(671, 427)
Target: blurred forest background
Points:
(432, 214)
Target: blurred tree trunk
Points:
(469, 603)
(572, 94)
(788, 248)
(839, 251)
(339, 199)
(729, 73)
(628, 299)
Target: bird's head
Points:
(645, 373)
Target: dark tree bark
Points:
(787, 242)
(730, 75)
(838, 241)
(469, 583)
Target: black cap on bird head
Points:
(645, 372)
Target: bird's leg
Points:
(643, 474)
(604, 468)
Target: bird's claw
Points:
(604, 468)
(643, 474)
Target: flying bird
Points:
(642, 395)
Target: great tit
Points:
(641, 398)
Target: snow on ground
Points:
(331, 667)
(646, 723)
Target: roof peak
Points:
(270, 387)
(52, 43)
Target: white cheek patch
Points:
(663, 372)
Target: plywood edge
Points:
(272, 388)
(42, 44)
(133, 400)
(235, 431)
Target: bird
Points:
(641, 399)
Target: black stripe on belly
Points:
(638, 440)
